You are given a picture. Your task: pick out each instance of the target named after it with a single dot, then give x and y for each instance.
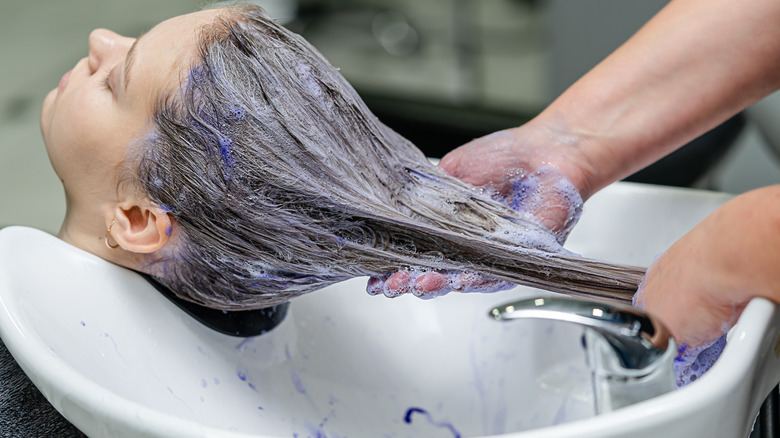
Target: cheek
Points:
(73, 138)
(86, 136)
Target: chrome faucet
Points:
(630, 354)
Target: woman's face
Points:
(106, 101)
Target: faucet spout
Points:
(630, 353)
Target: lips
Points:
(64, 80)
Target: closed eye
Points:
(105, 82)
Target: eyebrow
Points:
(129, 61)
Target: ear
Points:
(141, 228)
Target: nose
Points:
(106, 48)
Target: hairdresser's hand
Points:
(534, 170)
(676, 291)
(681, 289)
(528, 171)
(699, 287)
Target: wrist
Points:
(565, 149)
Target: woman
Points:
(223, 155)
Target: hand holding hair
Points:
(543, 195)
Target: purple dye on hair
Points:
(225, 151)
(236, 113)
(169, 231)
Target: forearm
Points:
(691, 67)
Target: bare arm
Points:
(691, 67)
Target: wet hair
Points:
(281, 181)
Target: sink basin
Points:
(116, 358)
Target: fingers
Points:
(398, 284)
(375, 285)
(390, 286)
(430, 284)
(420, 283)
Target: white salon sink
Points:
(118, 359)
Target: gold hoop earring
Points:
(108, 234)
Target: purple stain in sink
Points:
(242, 346)
(203, 352)
(116, 346)
(318, 430)
(443, 424)
(83, 324)
(297, 382)
(244, 378)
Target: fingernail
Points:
(374, 286)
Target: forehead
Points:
(164, 55)
(185, 27)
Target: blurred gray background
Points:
(439, 71)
